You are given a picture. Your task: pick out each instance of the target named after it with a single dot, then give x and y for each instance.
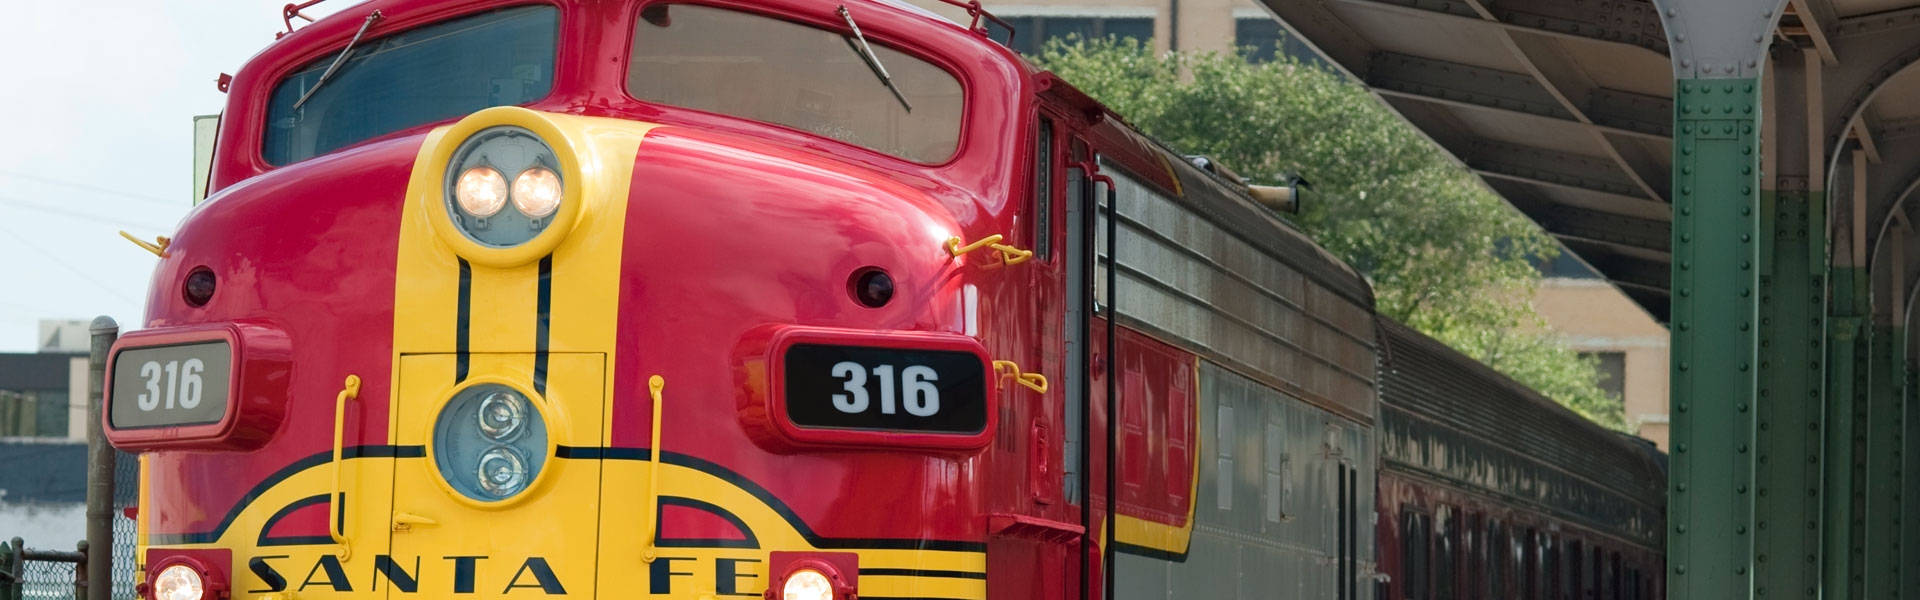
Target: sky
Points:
(99, 101)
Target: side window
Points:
(1043, 191)
(1446, 545)
(1223, 437)
(1413, 554)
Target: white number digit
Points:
(923, 397)
(151, 399)
(885, 373)
(855, 400)
(190, 382)
(173, 381)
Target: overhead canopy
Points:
(1565, 107)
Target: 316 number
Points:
(922, 397)
(182, 386)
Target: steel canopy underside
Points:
(1565, 107)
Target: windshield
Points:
(418, 76)
(809, 79)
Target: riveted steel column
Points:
(1840, 567)
(1882, 484)
(1793, 351)
(1792, 355)
(1717, 48)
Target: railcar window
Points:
(1413, 554)
(1043, 191)
(418, 76)
(764, 69)
(1446, 543)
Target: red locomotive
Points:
(785, 298)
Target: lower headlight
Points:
(807, 584)
(489, 442)
(178, 582)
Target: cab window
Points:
(813, 80)
(415, 77)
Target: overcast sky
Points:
(99, 100)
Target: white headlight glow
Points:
(178, 582)
(536, 192)
(481, 191)
(807, 584)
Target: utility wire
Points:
(77, 214)
(76, 271)
(91, 188)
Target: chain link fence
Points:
(47, 570)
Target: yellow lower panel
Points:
(539, 543)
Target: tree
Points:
(1445, 255)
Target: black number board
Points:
(885, 389)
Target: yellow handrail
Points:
(334, 514)
(654, 385)
(158, 249)
(1009, 255)
(1033, 381)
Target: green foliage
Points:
(1446, 256)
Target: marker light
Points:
(807, 584)
(178, 582)
(536, 192)
(481, 191)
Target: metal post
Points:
(1837, 481)
(1882, 483)
(14, 586)
(1792, 354)
(80, 571)
(1793, 289)
(100, 467)
(1718, 49)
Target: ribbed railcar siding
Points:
(1448, 417)
(1211, 272)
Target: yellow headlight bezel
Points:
(572, 197)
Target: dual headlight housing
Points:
(490, 442)
(509, 187)
(496, 167)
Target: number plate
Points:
(887, 389)
(170, 386)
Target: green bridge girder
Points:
(1744, 170)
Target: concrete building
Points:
(1596, 319)
(1186, 25)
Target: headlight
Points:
(489, 442)
(178, 582)
(481, 191)
(536, 192)
(807, 584)
(477, 186)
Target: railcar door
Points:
(1037, 523)
(494, 509)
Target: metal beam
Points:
(1863, 129)
(1457, 84)
(1816, 16)
(1554, 18)
(1623, 269)
(1628, 111)
(1553, 168)
(1562, 77)
(1632, 23)
(1879, 22)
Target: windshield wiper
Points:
(337, 60)
(873, 62)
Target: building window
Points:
(33, 413)
(1031, 33)
(1613, 372)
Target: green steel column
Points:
(1792, 352)
(1842, 552)
(1885, 410)
(1715, 251)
